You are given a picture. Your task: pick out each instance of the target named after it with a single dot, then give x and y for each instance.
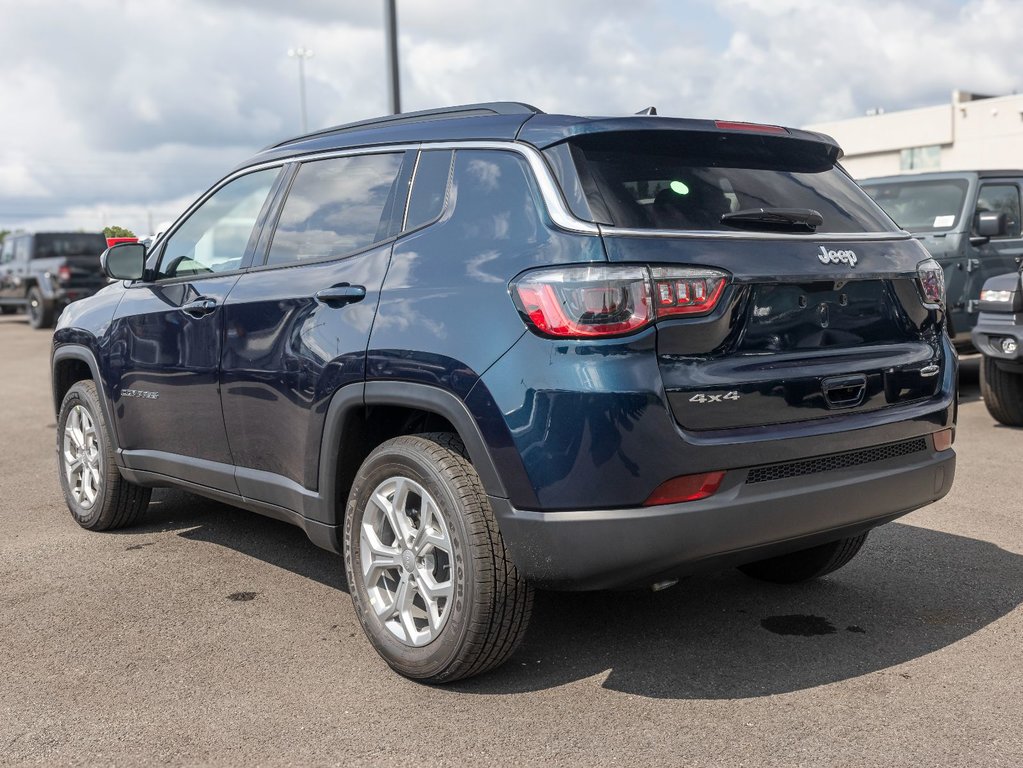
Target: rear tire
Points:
(806, 564)
(40, 311)
(98, 497)
(430, 579)
(1002, 392)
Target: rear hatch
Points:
(823, 313)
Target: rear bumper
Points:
(743, 522)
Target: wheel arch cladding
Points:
(348, 437)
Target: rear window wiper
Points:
(771, 218)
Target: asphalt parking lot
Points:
(211, 635)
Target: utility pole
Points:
(391, 31)
(301, 54)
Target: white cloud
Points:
(126, 104)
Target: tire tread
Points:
(503, 599)
(502, 627)
(1002, 392)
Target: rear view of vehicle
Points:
(44, 272)
(759, 374)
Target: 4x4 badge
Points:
(837, 257)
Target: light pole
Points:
(301, 54)
(391, 31)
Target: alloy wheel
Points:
(81, 454)
(405, 559)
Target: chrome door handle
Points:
(339, 295)
(200, 307)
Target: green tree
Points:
(3, 234)
(115, 231)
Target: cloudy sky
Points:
(122, 111)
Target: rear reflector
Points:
(943, 439)
(726, 125)
(685, 488)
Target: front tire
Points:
(1002, 392)
(98, 497)
(430, 579)
(806, 564)
(40, 311)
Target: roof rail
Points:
(464, 110)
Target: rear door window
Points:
(688, 180)
(69, 244)
(335, 207)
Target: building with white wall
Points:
(973, 132)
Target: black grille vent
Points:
(835, 461)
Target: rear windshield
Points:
(922, 206)
(687, 180)
(71, 244)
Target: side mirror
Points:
(990, 224)
(124, 261)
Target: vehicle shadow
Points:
(910, 592)
(272, 541)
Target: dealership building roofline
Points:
(972, 131)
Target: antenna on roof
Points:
(648, 111)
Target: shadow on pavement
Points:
(272, 541)
(910, 592)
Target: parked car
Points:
(998, 336)
(483, 349)
(43, 272)
(968, 221)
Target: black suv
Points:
(485, 349)
(42, 272)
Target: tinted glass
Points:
(688, 180)
(214, 238)
(922, 206)
(429, 188)
(334, 207)
(72, 244)
(1001, 198)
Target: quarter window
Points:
(216, 236)
(429, 188)
(334, 207)
(1001, 198)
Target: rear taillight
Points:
(932, 281)
(64, 273)
(587, 302)
(686, 292)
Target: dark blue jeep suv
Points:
(484, 349)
